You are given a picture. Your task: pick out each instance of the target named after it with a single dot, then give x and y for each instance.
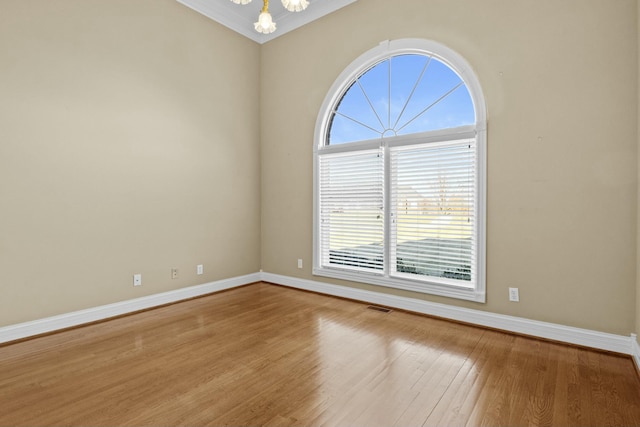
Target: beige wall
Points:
(560, 81)
(637, 330)
(129, 143)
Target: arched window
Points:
(399, 172)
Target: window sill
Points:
(457, 292)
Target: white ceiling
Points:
(240, 18)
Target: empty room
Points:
(319, 212)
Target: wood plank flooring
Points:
(269, 355)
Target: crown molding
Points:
(241, 18)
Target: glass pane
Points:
(437, 80)
(453, 111)
(375, 84)
(405, 74)
(355, 106)
(344, 130)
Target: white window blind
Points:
(433, 221)
(351, 210)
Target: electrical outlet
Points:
(137, 280)
(200, 269)
(299, 262)
(514, 295)
(174, 273)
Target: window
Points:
(399, 173)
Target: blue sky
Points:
(381, 103)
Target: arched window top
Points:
(399, 88)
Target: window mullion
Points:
(387, 213)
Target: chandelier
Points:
(265, 24)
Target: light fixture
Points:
(295, 5)
(265, 24)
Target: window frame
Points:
(478, 131)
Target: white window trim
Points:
(464, 70)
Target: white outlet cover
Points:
(200, 269)
(137, 280)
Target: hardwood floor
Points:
(268, 355)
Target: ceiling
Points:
(240, 18)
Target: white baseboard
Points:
(635, 350)
(552, 331)
(76, 318)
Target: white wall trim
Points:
(585, 337)
(635, 350)
(552, 331)
(76, 318)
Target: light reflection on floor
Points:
(362, 370)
